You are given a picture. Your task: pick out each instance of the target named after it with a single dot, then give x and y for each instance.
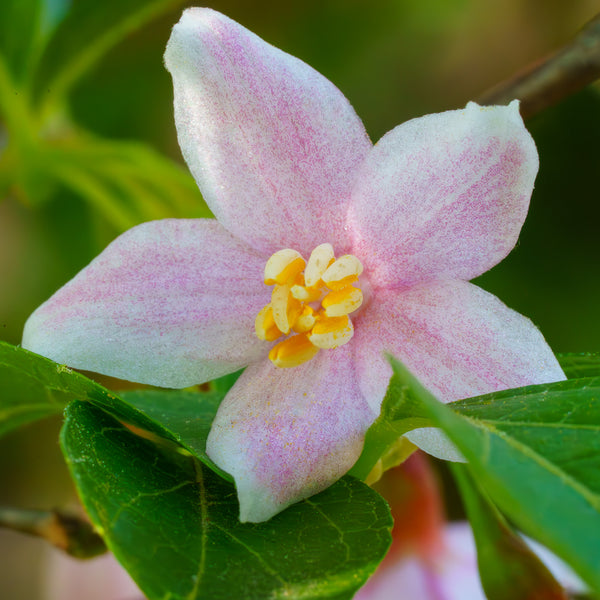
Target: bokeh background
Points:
(393, 59)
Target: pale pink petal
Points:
(273, 145)
(435, 442)
(561, 571)
(443, 195)
(454, 574)
(457, 339)
(101, 578)
(285, 434)
(458, 571)
(406, 580)
(451, 576)
(169, 303)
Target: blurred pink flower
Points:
(431, 559)
(286, 165)
(453, 574)
(101, 578)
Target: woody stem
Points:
(552, 79)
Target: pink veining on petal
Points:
(169, 303)
(459, 340)
(284, 162)
(443, 195)
(274, 146)
(285, 434)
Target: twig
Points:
(548, 81)
(67, 532)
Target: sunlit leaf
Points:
(173, 523)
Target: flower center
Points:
(313, 299)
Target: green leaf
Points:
(33, 387)
(225, 383)
(86, 34)
(173, 523)
(184, 417)
(400, 412)
(576, 366)
(508, 568)
(560, 421)
(127, 182)
(536, 451)
(20, 34)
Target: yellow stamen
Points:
(285, 307)
(295, 303)
(282, 266)
(264, 325)
(293, 351)
(342, 302)
(306, 320)
(331, 332)
(305, 294)
(321, 257)
(342, 272)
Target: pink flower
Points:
(285, 164)
(452, 574)
(431, 559)
(100, 578)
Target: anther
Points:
(320, 259)
(293, 351)
(305, 294)
(313, 299)
(264, 325)
(285, 307)
(305, 321)
(342, 272)
(331, 332)
(283, 265)
(342, 302)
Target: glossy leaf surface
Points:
(535, 450)
(173, 523)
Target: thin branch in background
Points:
(548, 81)
(67, 532)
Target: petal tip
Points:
(510, 112)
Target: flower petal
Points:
(285, 434)
(457, 339)
(451, 576)
(443, 195)
(100, 578)
(273, 145)
(169, 303)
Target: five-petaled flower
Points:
(285, 165)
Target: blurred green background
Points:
(100, 154)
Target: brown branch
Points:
(69, 533)
(548, 81)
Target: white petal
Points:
(286, 434)
(444, 195)
(273, 145)
(169, 303)
(457, 339)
